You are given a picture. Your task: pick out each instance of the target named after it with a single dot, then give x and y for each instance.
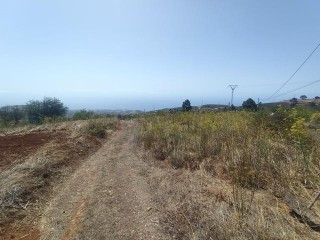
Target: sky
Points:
(152, 54)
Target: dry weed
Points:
(245, 152)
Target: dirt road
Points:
(108, 197)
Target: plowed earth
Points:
(14, 149)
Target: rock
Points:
(301, 212)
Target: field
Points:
(238, 175)
(182, 175)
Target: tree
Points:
(11, 115)
(303, 97)
(34, 111)
(250, 104)
(53, 107)
(293, 102)
(186, 106)
(317, 97)
(232, 108)
(49, 107)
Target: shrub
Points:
(83, 115)
(98, 127)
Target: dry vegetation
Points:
(237, 175)
(36, 161)
(222, 175)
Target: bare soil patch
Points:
(15, 148)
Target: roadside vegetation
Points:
(48, 111)
(263, 168)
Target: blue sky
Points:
(145, 54)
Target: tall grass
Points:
(252, 153)
(242, 146)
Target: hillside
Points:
(216, 175)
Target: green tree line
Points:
(34, 111)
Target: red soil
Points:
(15, 148)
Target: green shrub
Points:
(98, 127)
(83, 115)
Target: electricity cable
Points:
(272, 96)
(307, 85)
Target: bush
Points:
(98, 127)
(83, 115)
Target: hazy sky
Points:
(144, 54)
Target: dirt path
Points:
(106, 198)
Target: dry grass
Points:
(196, 206)
(25, 186)
(247, 167)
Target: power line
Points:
(307, 85)
(294, 73)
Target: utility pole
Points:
(233, 87)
